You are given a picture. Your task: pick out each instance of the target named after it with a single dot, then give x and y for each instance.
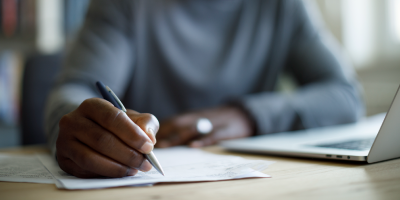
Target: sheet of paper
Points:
(180, 165)
(22, 168)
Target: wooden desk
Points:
(292, 178)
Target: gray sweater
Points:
(167, 57)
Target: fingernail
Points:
(145, 166)
(150, 130)
(132, 172)
(147, 147)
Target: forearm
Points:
(328, 92)
(103, 51)
(316, 105)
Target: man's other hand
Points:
(228, 122)
(97, 139)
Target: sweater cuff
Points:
(271, 112)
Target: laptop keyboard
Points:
(362, 144)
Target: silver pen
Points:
(105, 91)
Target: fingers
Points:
(116, 121)
(68, 165)
(180, 136)
(177, 131)
(85, 162)
(221, 133)
(212, 138)
(147, 122)
(106, 143)
(98, 139)
(207, 140)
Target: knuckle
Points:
(65, 121)
(111, 117)
(70, 125)
(89, 104)
(83, 160)
(104, 140)
(86, 103)
(67, 127)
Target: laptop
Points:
(373, 139)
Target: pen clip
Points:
(116, 98)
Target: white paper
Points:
(22, 168)
(180, 165)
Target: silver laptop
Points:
(373, 139)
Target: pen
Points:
(110, 96)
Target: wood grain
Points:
(292, 178)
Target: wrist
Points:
(246, 115)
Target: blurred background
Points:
(35, 33)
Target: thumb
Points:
(147, 122)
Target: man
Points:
(186, 60)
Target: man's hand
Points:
(98, 139)
(229, 122)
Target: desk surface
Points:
(291, 178)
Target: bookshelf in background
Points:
(18, 24)
(10, 75)
(28, 28)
